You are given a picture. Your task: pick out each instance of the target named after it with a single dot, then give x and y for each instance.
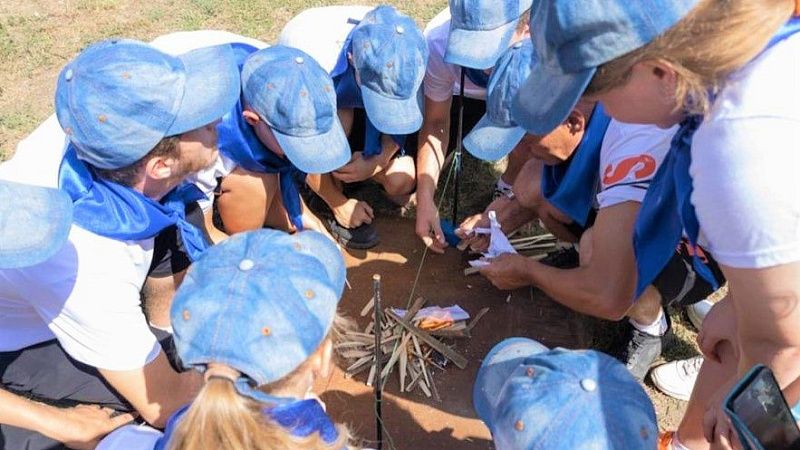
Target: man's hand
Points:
(508, 271)
(353, 213)
(477, 242)
(358, 169)
(428, 227)
(717, 427)
(83, 426)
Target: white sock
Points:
(676, 444)
(657, 328)
(502, 186)
(167, 329)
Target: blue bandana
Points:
(667, 210)
(118, 212)
(302, 418)
(570, 186)
(348, 95)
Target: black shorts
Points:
(679, 284)
(169, 254)
(474, 109)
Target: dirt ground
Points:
(413, 421)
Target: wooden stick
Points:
(471, 271)
(475, 319)
(449, 353)
(366, 309)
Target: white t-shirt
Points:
(443, 80)
(87, 295)
(321, 32)
(745, 162)
(630, 155)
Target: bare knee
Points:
(245, 199)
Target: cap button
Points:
(68, 74)
(246, 264)
(518, 44)
(399, 29)
(299, 60)
(519, 425)
(588, 385)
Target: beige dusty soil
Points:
(412, 420)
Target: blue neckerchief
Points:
(570, 186)
(118, 212)
(238, 141)
(667, 210)
(478, 77)
(348, 95)
(302, 418)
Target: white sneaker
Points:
(677, 378)
(698, 311)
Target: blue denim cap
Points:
(390, 55)
(295, 96)
(117, 99)
(572, 39)
(260, 302)
(34, 223)
(496, 134)
(480, 30)
(534, 398)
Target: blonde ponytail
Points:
(715, 39)
(221, 418)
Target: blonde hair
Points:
(221, 418)
(712, 41)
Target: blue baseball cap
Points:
(34, 223)
(534, 398)
(117, 99)
(573, 39)
(260, 302)
(496, 134)
(290, 91)
(480, 30)
(390, 55)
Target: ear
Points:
(576, 121)
(159, 168)
(664, 75)
(251, 117)
(326, 359)
(350, 57)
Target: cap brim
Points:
(478, 49)
(35, 224)
(321, 153)
(212, 87)
(393, 116)
(490, 142)
(547, 97)
(497, 367)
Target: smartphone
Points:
(759, 413)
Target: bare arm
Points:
(79, 427)
(433, 140)
(155, 390)
(767, 317)
(603, 286)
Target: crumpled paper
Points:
(498, 242)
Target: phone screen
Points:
(761, 407)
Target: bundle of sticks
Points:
(405, 346)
